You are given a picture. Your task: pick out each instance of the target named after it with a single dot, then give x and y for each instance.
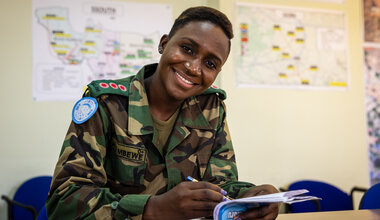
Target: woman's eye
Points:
(210, 64)
(187, 49)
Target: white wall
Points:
(279, 135)
(282, 135)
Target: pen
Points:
(226, 198)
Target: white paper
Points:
(288, 197)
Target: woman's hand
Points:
(267, 212)
(185, 201)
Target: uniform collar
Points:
(139, 117)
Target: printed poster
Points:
(372, 105)
(288, 47)
(77, 41)
(371, 12)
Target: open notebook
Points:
(229, 209)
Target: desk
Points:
(337, 215)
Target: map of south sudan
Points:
(290, 47)
(107, 53)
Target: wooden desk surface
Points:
(337, 215)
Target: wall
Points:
(282, 135)
(279, 135)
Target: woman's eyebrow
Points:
(197, 45)
(191, 40)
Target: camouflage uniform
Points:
(110, 165)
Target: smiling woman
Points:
(190, 62)
(131, 156)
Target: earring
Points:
(160, 49)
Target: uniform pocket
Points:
(126, 163)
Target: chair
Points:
(333, 198)
(29, 198)
(371, 199)
(43, 214)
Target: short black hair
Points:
(203, 13)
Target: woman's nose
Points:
(193, 67)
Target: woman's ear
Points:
(164, 40)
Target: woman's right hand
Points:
(187, 200)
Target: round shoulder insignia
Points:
(123, 88)
(104, 85)
(84, 109)
(113, 85)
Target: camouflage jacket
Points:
(107, 163)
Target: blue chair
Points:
(333, 198)
(43, 214)
(29, 198)
(371, 199)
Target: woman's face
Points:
(191, 59)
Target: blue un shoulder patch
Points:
(84, 109)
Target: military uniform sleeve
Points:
(78, 190)
(222, 168)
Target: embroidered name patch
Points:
(130, 153)
(84, 109)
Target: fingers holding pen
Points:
(205, 191)
(211, 187)
(185, 201)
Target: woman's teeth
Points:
(185, 80)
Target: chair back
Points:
(371, 199)
(43, 214)
(333, 199)
(32, 192)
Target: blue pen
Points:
(224, 193)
